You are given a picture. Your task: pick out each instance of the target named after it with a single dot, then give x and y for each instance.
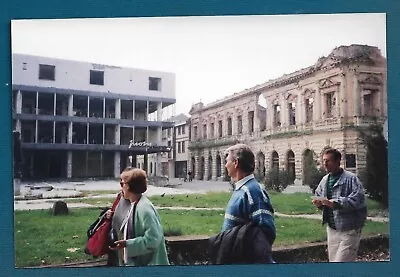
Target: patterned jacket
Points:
(250, 203)
(350, 212)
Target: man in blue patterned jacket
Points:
(340, 195)
(249, 201)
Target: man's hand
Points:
(328, 203)
(317, 203)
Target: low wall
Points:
(195, 250)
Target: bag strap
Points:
(116, 201)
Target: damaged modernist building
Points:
(79, 119)
(296, 116)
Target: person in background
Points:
(340, 195)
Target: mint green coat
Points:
(148, 246)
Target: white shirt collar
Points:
(242, 181)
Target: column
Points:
(356, 92)
(117, 164)
(206, 169)
(256, 120)
(317, 105)
(197, 165)
(69, 164)
(18, 126)
(118, 109)
(18, 105)
(36, 112)
(284, 112)
(133, 109)
(383, 97)
(214, 166)
(342, 98)
(270, 115)
(117, 130)
(222, 166)
(299, 109)
(159, 111)
(71, 105)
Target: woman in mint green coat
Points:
(142, 239)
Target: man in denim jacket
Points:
(340, 195)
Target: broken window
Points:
(277, 115)
(195, 132)
(251, 121)
(220, 129)
(350, 160)
(330, 104)
(97, 77)
(368, 103)
(229, 126)
(240, 124)
(155, 83)
(292, 113)
(47, 72)
(309, 109)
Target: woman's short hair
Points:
(136, 179)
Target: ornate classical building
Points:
(300, 113)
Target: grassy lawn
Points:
(296, 203)
(41, 238)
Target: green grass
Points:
(296, 203)
(207, 200)
(40, 236)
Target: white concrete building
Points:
(77, 119)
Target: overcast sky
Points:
(212, 57)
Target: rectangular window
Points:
(212, 130)
(195, 132)
(220, 128)
(183, 129)
(329, 104)
(183, 147)
(205, 131)
(350, 160)
(292, 113)
(47, 72)
(155, 83)
(251, 121)
(229, 126)
(309, 109)
(97, 77)
(240, 125)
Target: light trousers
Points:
(343, 246)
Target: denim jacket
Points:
(350, 212)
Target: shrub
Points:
(375, 176)
(277, 180)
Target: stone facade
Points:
(310, 109)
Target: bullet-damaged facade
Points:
(303, 112)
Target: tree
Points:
(312, 174)
(375, 175)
